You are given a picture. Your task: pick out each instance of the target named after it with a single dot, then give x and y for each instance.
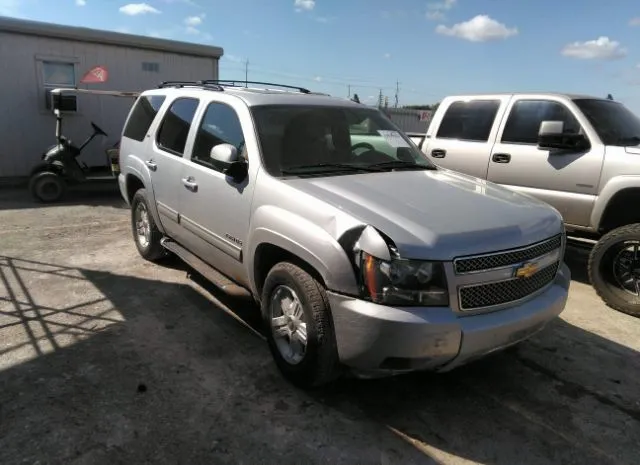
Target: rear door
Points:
(566, 180)
(165, 161)
(463, 137)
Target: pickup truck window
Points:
(470, 121)
(142, 116)
(311, 139)
(525, 117)
(220, 125)
(174, 128)
(614, 123)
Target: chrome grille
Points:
(507, 257)
(501, 292)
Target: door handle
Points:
(438, 153)
(501, 157)
(151, 165)
(190, 183)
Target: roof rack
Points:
(205, 84)
(243, 83)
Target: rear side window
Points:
(142, 115)
(174, 129)
(470, 121)
(525, 117)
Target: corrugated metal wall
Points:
(26, 128)
(409, 120)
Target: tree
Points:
(356, 98)
(609, 97)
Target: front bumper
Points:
(376, 339)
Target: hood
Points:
(437, 214)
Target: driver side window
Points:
(526, 116)
(220, 125)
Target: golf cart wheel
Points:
(299, 326)
(145, 232)
(614, 269)
(47, 186)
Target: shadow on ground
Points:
(147, 371)
(102, 194)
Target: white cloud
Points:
(601, 48)
(81, 2)
(194, 21)
(9, 7)
(317, 79)
(192, 30)
(634, 21)
(435, 11)
(307, 5)
(481, 28)
(134, 9)
(387, 55)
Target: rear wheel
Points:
(145, 232)
(614, 269)
(299, 326)
(47, 186)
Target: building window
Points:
(57, 74)
(151, 67)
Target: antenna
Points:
(397, 92)
(246, 72)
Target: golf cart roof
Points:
(114, 93)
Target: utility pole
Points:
(397, 92)
(380, 99)
(246, 73)
(348, 90)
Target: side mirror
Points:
(224, 153)
(551, 135)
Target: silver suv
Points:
(361, 252)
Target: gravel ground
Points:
(108, 359)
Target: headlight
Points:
(404, 282)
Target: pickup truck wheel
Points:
(614, 269)
(145, 232)
(299, 326)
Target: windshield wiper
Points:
(399, 164)
(308, 169)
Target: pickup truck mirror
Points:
(224, 153)
(551, 135)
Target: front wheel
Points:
(47, 186)
(614, 269)
(299, 326)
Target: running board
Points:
(210, 273)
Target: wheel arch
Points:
(618, 209)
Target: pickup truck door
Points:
(165, 161)
(460, 138)
(567, 181)
(215, 211)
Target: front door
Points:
(567, 181)
(166, 162)
(214, 209)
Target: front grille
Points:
(502, 292)
(507, 257)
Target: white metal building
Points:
(37, 56)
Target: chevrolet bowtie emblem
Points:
(527, 270)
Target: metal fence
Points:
(410, 120)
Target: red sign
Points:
(95, 75)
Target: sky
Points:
(426, 49)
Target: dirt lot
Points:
(105, 358)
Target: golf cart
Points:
(60, 165)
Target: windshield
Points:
(614, 123)
(322, 140)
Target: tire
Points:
(319, 366)
(47, 187)
(605, 264)
(149, 248)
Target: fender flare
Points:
(55, 167)
(608, 192)
(307, 241)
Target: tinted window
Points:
(469, 120)
(174, 129)
(614, 123)
(525, 117)
(220, 125)
(142, 115)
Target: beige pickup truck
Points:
(580, 154)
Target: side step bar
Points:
(206, 270)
